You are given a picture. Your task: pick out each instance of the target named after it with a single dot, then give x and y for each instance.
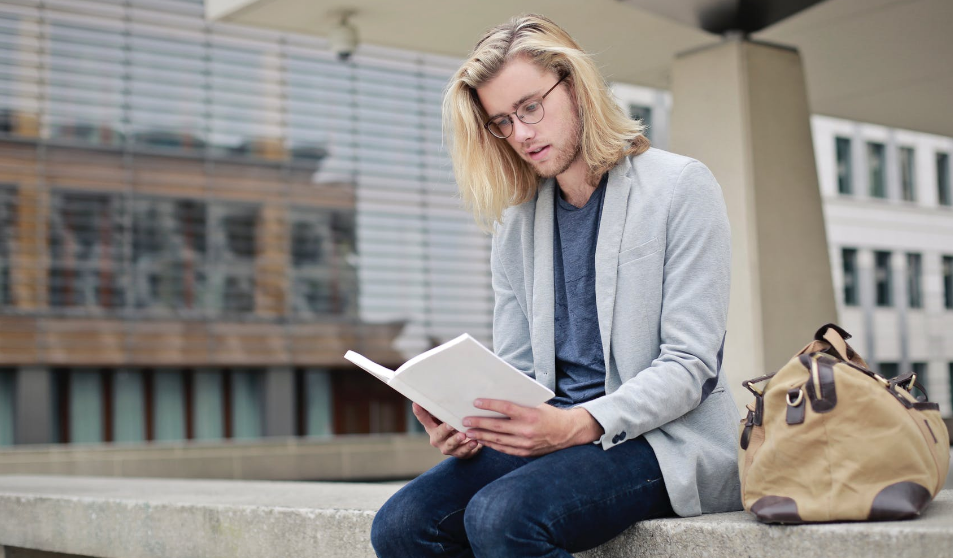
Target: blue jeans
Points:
(497, 505)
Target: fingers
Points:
(466, 449)
(507, 408)
(495, 439)
(425, 418)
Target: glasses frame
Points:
(516, 112)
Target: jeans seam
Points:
(549, 524)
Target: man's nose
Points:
(522, 131)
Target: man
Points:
(610, 268)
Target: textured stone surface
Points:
(386, 456)
(149, 518)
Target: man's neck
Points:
(574, 184)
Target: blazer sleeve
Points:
(695, 289)
(511, 333)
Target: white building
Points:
(887, 208)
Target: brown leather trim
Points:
(927, 424)
(925, 406)
(776, 509)
(902, 500)
(795, 414)
(825, 372)
(746, 433)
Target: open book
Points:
(446, 379)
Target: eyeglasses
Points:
(530, 112)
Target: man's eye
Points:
(531, 108)
(503, 122)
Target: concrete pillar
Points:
(741, 108)
(280, 408)
(34, 405)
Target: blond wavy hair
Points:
(490, 174)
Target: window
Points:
(87, 238)
(883, 277)
(876, 166)
(323, 282)
(7, 409)
(643, 113)
(8, 234)
(233, 245)
(948, 282)
(889, 369)
(844, 169)
(128, 393)
(914, 281)
(944, 195)
(315, 403)
(246, 415)
(849, 257)
(908, 187)
(168, 408)
(208, 405)
(168, 253)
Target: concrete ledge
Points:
(353, 458)
(148, 518)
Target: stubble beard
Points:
(562, 164)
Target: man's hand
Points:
(531, 431)
(444, 437)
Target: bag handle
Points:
(908, 381)
(832, 338)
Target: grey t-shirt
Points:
(580, 367)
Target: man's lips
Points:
(538, 153)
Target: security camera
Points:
(343, 39)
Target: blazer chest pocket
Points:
(639, 252)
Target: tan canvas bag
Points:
(829, 440)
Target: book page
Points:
(381, 373)
(464, 370)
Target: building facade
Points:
(889, 217)
(197, 220)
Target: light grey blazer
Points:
(662, 277)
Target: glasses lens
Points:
(501, 128)
(531, 112)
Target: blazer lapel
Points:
(614, 211)
(544, 299)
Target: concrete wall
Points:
(374, 457)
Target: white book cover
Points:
(447, 379)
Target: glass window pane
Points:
(169, 407)
(889, 369)
(844, 170)
(944, 195)
(907, 174)
(85, 406)
(914, 281)
(850, 276)
(87, 239)
(7, 410)
(876, 166)
(319, 403)
(208, 405)
(948, 284)
(883, 277)
(246, 404)
(8, 236)
(128, 407)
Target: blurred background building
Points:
(197, 219)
